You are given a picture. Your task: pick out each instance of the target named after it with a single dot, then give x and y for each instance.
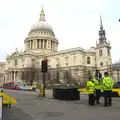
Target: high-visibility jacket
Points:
(97, 84)
(90, 87)
(35, 86)
(107, 83)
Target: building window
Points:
(67, 64)
(108, 51)
(101, 64)
(45, 42)
(15, 62)
(49, 42)
(38, 44)
(74, 60)
(88, 60)
(57, 65)
(100, 53)
(31, 44)
(28, 44)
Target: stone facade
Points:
(41, 43)
(2, 71)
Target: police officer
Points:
(91, 90)
(107, 86)
(34, 87)
(97, 91)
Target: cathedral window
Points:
(100, 53)
(31, 44)
(15, 62)
(108, 51)
(45, 41)
(49, 42)
(57, 65)
(88, 60)
(66, 63)
(28, 44)
(52, 45)
(101, 64)
(74, 60)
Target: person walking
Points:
(107, 86)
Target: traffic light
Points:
(44, 65)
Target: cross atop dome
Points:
(42, 15)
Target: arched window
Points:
(88, 60)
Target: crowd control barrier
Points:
(7, 100)
(115, 92)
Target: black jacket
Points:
(98, 76)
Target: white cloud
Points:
(75, 23)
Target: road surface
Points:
(31, 107)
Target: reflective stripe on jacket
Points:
(107, 83)
(90, 87)
(97, 84)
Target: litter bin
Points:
(66, 93)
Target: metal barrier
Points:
(66, 93)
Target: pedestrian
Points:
(91, 91)
(97, 80)
(107, 86)
(98, 75)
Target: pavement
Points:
(32, 107)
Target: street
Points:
(31, 107)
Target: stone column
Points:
(16, 79)
(19, 78)
(39, 43)
(14, 76)
(30, 44)
(11, 76)
(8, 78)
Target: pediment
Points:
(15, 54)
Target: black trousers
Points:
(91, 99)
(97, 95)
(108, 97)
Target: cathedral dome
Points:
(42, 25)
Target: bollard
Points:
(0, 108)
(42, 90)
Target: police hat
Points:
(90, 78)
(106, 73)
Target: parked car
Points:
(23, 87)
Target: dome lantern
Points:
(41, 24)
(42, 15)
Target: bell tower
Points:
(103, 49)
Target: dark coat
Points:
(98, 76)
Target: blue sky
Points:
(75, 23)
